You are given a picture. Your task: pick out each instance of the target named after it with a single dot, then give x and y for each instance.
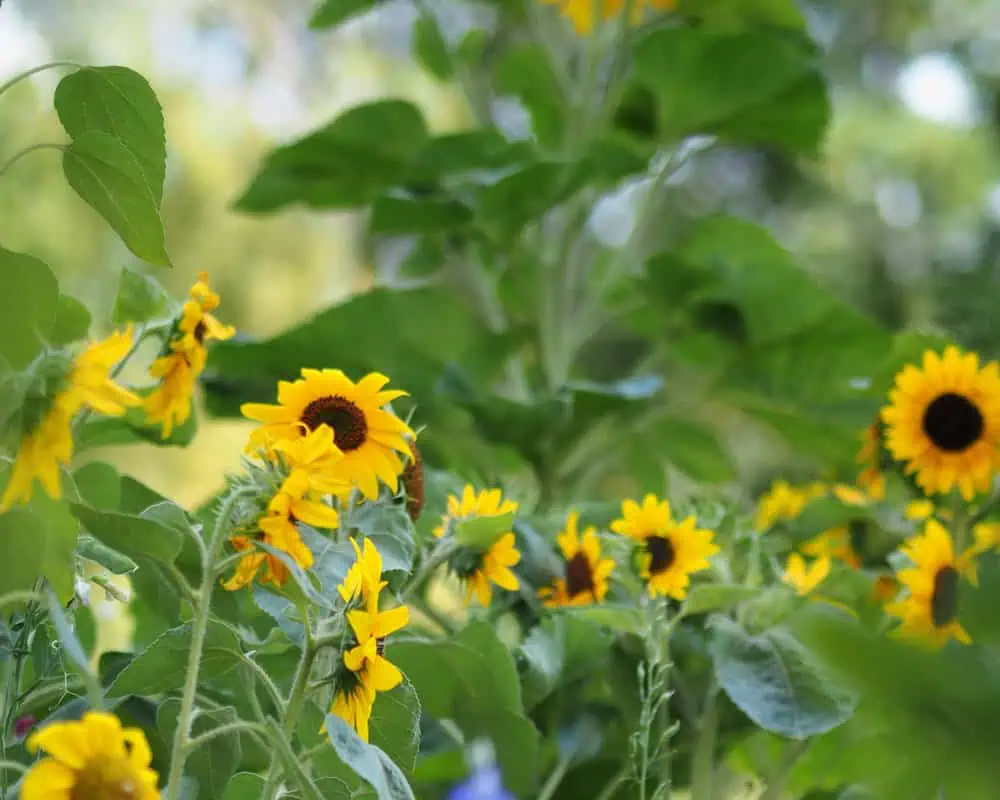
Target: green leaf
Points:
(99, 485)
(739, 14)
(162, 666)
(524, 195)
(346, 164)
(481, 532)
(72, 321)
(110, 179)
(244, 786)
(335, 12)
(113, 561)
(471, 679)
(776, 682)
(367, 761)
(395, 724)
(693, 449)
(61, 533)
(132, 428)
(119, 102)
(462, 153)
(524, 72)
(135, 536)
(140, 298)
(214, 763)
(716, 597)
(396, 214)
(21, 558)
(390, 529)
(430, 47)
(755, 87)
(616, 616)
(28, 306)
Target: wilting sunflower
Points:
(370, 437)
(581, 12)
(276, 528)
(670, 551)
(183, 358)
(929, 609)
(586, 573)
(805, 578)
(487, 503)
(365, 669)
(94, 758)
(49, 442)
(783, 502)
(943, 421)
(871, 479)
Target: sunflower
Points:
(870, 478)
(480, 568)
(581, 12)
(802, 577)
(586, 573)
(943, 421)
(930, 608)
(49, 442)
(784, 502)
(366, 670)
(363, 581)
(670, 551)
(90, 759)
(370, 437)
(184, 356)
(487, 503)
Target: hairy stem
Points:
(199, 627)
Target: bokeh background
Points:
(900, 215)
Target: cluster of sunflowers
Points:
(940, 432)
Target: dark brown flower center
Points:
(579, 577)
(199, 331)
(944, 600)
(112, 779)
(953, 422)
(350, 428)
(662, 554)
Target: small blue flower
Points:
(485, 783)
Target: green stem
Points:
(12, 766)
(199, 627)
(261, 674)
(51, 65)
(441, 553)
(30, 149)
(611, 787)
(555, 778)
(222, 730)
(424, 607)
(776, 784)
(704, 754)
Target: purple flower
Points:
(484, 784)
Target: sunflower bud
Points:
(413, 484)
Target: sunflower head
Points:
(943, 422)
(870, 458)
(585, 16)
(585, 577)
(363, 581)
(370, 436)
(805, 578)
(474, 504)
(93, 758)
(784, 502)
(482, 566)
(929, 609)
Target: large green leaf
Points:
(690, 447)
(110, 178)
(368, 761)
(472, 680)
(162, 666)
(213, 764)
(20, 556)
(135, 536)
(346, 164)
(410, 335)
(740, 14)
(776, 682)
(119, 102)
(28, 306)
(71, 323)
(753, 87)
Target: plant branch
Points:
(30, 149)
(555, 778)
(28, 73)
(776, 784)
(222, 730)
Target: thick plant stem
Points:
(199, 627)
(704, 754)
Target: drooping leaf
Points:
(67, 636)
(28, 306)
(430, 46)
(120, 102)
(110, 178)
(776, 682)
(346, 164)
(162, 666)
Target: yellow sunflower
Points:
(784, 502)
(184, 358)
(943, 421)
(871, 479)
(277, 528)
(487, 503)
(805, 578)
(480, 570)
(366, 670)
(370, 437)
(586, 573)
(92, 758)
(49, 442)
(929, 610)
(363, 580)
(581, 12)
(670, 551)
